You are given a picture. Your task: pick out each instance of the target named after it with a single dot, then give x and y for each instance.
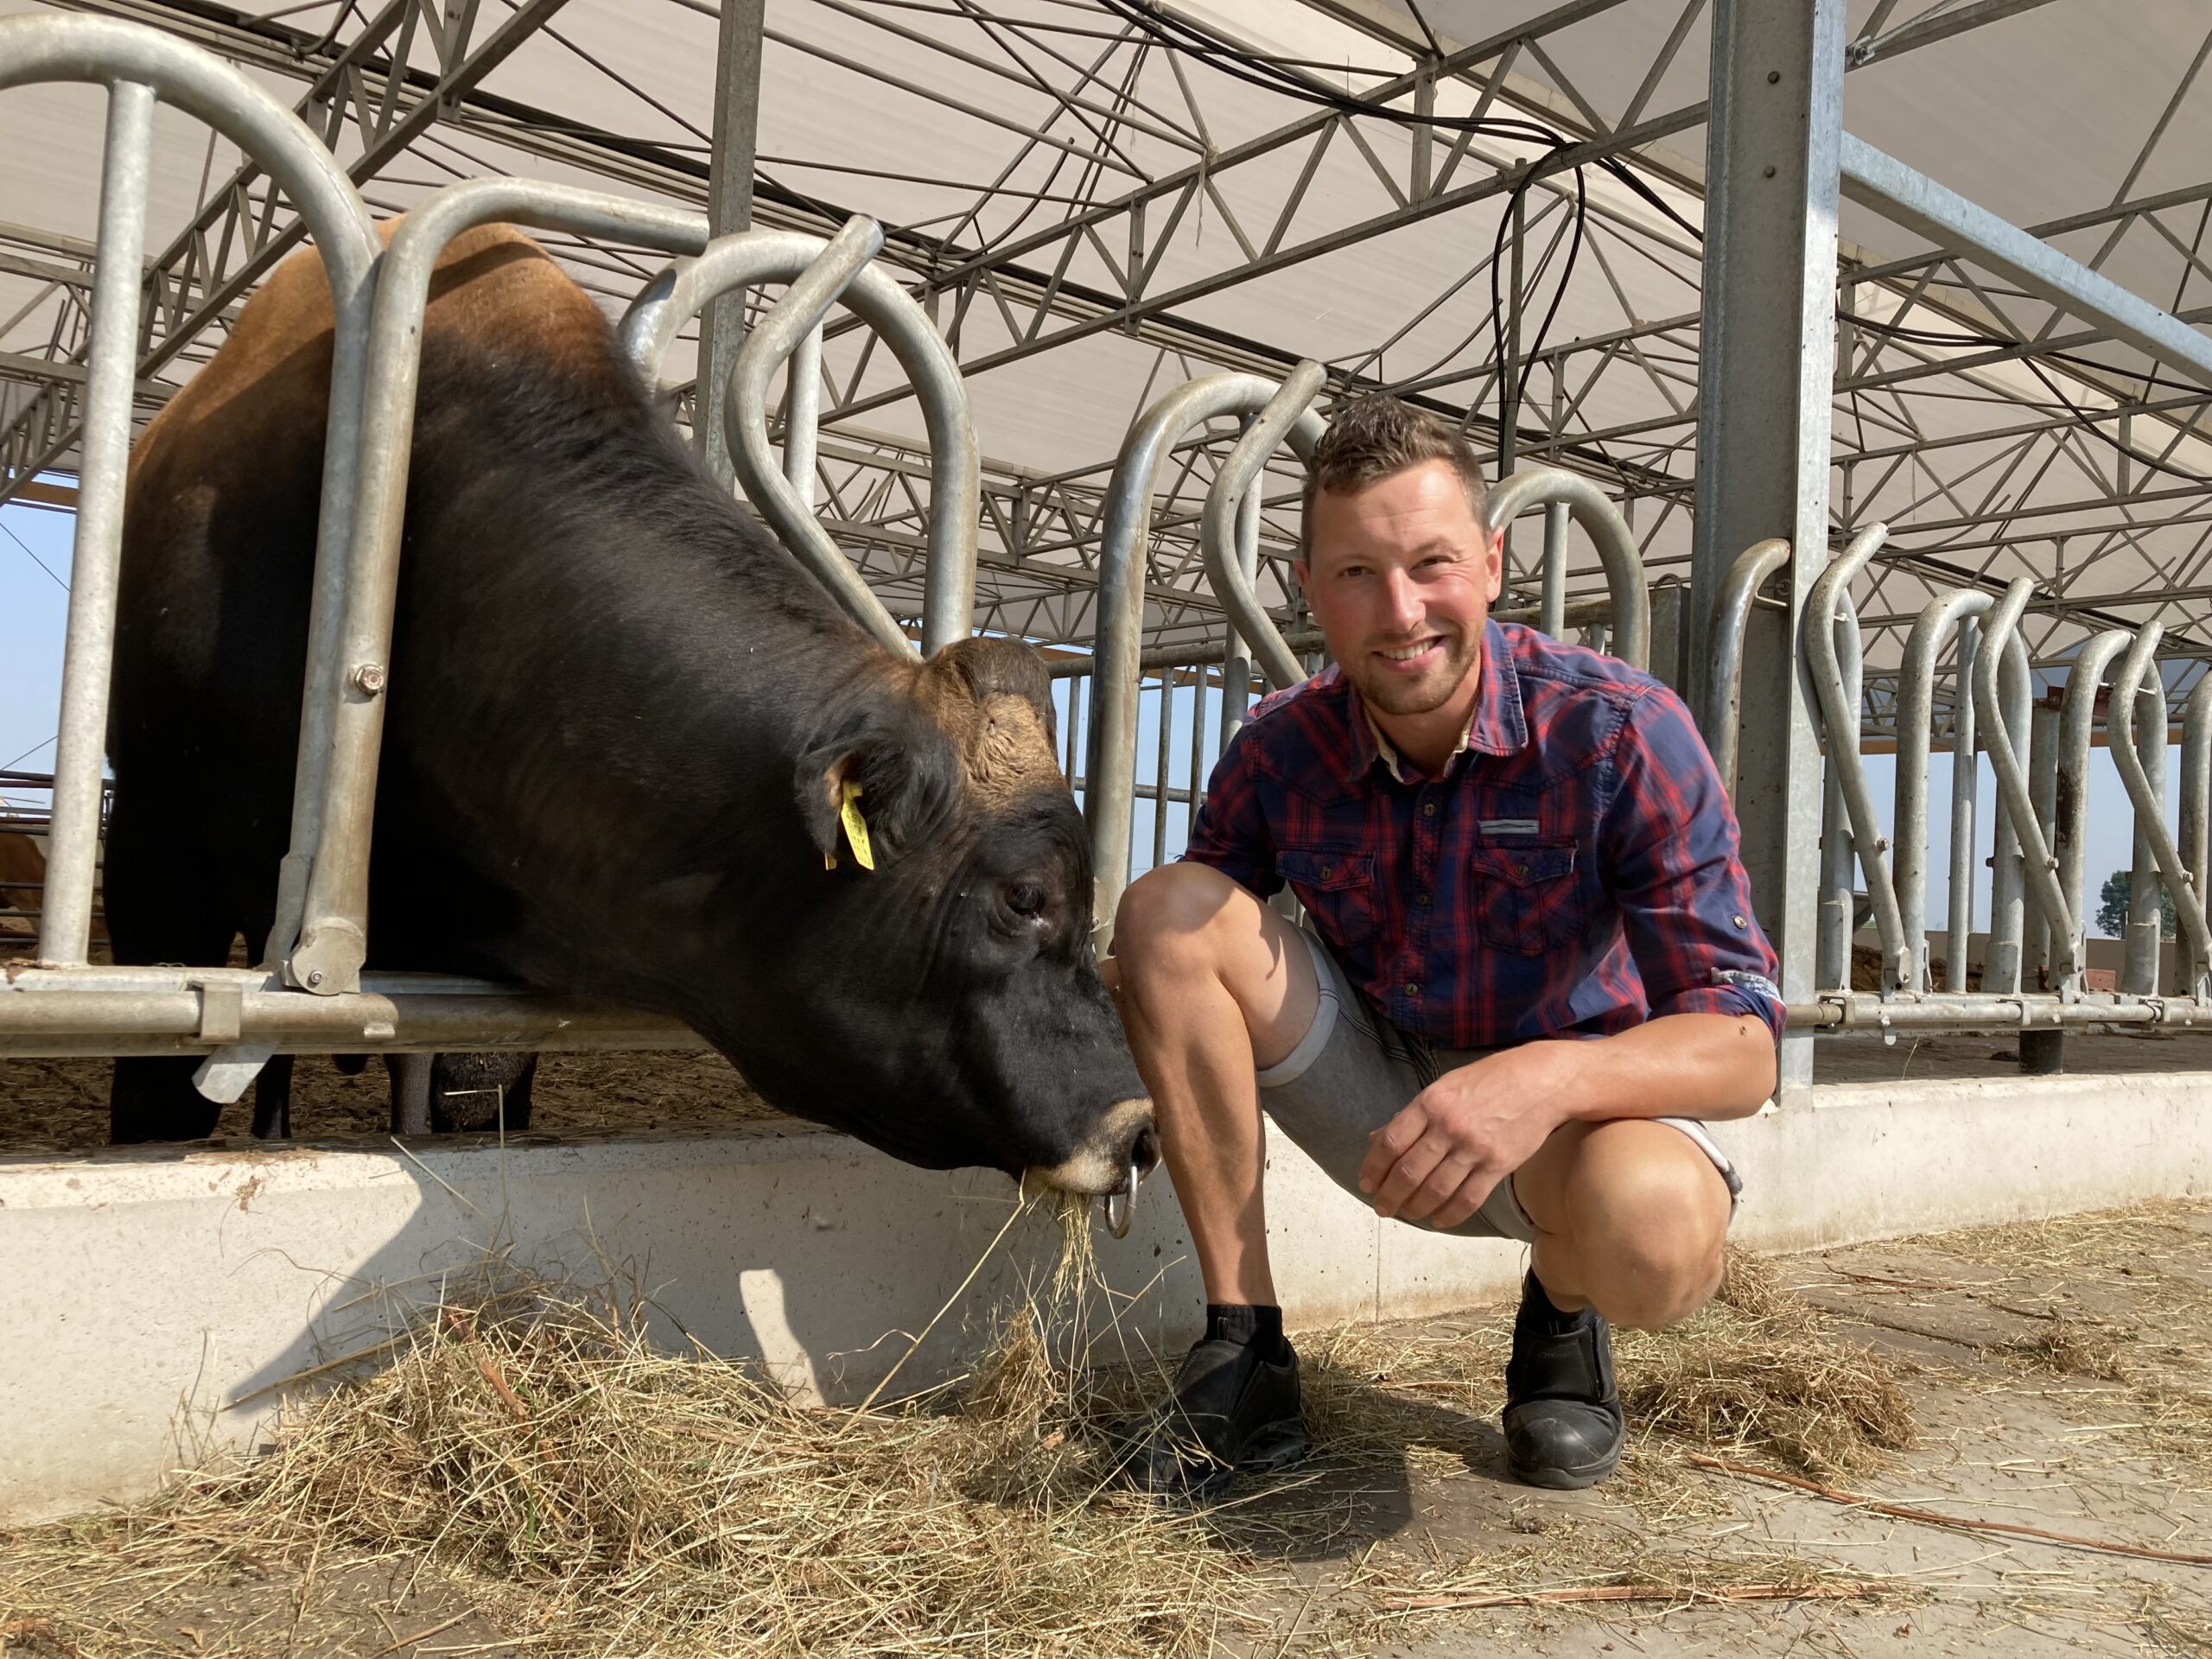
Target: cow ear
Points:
(907, 780)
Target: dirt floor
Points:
(2054, 1376)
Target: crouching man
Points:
(1528, 970)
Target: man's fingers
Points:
(1473, 1192)
(1414, 1166)
(1391, 1142)
(1437, 1188)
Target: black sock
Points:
(1536, 1302)
(1259, 1328)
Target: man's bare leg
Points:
(1214, 987)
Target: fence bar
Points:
(42, 47)
(2000, 715)
(2196, 814)
(334, 939)
(1601, 521)
(2139, 752)
(803, 415)
(1860, 1011)
(1825, 608)
(1915, 737)
(96, 559)
(1832, 940)
(2077, 720)
(1163, 760)
(1731, 615)
(1966, 801)
(2036, 940)
(1285, 417)
(1111, 763)
(2000, 967)
(1551, 615)
(1237, 667)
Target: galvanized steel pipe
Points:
(333, 940)
(2196, 812)
(2078, 721)
(1608, 532)
(1731, 615)
(1285, 417)
(2001, 963)
(2148, 796)
(1915, 738)
(2038, 869)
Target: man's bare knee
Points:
(1166, 910)
(1649, 1232)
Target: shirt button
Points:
(1413, 988)
(1428, 808)
(1328, 871)
(1520, 869)
(1420, 898)
(1739, 921)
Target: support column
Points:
(1767, 364)
(729, 207)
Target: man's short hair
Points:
(1375, 437)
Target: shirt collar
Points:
(1498, 725)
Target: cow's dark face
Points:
(960, 1018)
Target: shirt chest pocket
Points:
(1526, 896)
(1338, 890)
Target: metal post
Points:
(1839, 847)
(1551, 616)
(2042, 1048)
(2147, 889)
(2000, 970)
(1669, 636)
(2195, 809)
(1768, 329)
(1236, 669)
(1966, 789)
(729, 207)
(112, 370)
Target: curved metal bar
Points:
(2004, 961)
(1608, 531)
(745, 423)
(42, 47)
(749, 258)
(1839, 846)
(1110, 760)
(1916, 715)
(2196, 809)
(2038, 869)
(2150, 808)
(2077, 721)
(1731, 615)
(334, 939)
(1284, 416)
(1840, 722)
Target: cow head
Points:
(960, 1015)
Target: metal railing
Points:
(2034, 971)
(310, 994)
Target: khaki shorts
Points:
(1353, 1071)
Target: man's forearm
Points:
(1700, 1065)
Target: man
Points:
(1498, 840)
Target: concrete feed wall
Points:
(154, 1298)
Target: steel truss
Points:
(1155, 175)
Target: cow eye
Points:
(1025, 899)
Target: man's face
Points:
(1400, 578)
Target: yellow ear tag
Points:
(856, 827)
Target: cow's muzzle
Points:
(1123, 1145)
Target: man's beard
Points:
(1394, 694)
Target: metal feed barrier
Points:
(2034, 976)
(310, 994)
(1120, 671)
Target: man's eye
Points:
(1025, 899)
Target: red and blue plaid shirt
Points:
(1572, 869)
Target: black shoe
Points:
(1231, 1410)
(1563, 1425)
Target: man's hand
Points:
(1441, 1157)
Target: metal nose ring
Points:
(1122, 1200)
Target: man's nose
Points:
(1403, 610)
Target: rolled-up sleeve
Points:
(1230, 832)
(1674, 865)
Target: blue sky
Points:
(34, 565)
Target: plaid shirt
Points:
(1572, 869)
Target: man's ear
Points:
(908, 780)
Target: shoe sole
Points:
(1268, 1448)
(1567, 1480)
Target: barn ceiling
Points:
(1098, 199)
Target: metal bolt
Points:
(1773, 76)
(314, 977)
(1768, 171)
(369, 677)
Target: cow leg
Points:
(160, 908)
(349, 1066)
(517, 1103)
(272, 1100)
(410, 1091)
